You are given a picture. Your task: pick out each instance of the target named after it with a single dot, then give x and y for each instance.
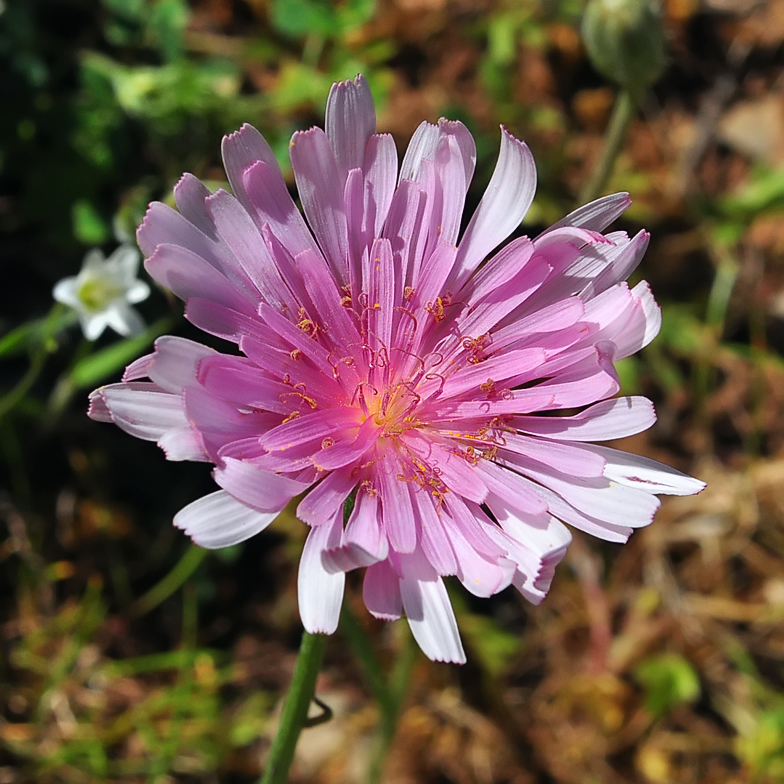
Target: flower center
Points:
(96, 293)
(393, 409)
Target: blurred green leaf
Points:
(166, 24)
(89, 226)
(669, 680)
(682, 331)
(250, 719)
(39, 332)
(300, 18)
(762, 749)
(764, 191)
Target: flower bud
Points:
(625, 41)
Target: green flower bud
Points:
(625, 41)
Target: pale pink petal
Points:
(421, 147)
(597, 215)
(262, 490)
(219, 520)
(381, 592)
(400, 522)
(643, 473)
(429, 611)
(503, 206)
(574, 460)
(434, 539)
(183, 443)
(143, 410)
(603, 421)
(320, 591)
(173, 365)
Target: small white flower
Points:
(103, 292)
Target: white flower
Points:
(103, 292)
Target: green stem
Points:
(396, 693)
(622, 114)
(161, 591)
(295, 710)
(9, 400)
(389, 693)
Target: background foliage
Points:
(128, 657)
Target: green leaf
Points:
(88, 225)
(299, 18)
(668, 680)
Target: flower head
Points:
(103, 292)
(381, 360)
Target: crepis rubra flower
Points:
(450, 392)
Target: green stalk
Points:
(162, 590)
(622, 114)
(295, 710)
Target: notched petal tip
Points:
(97, 408)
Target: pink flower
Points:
(379, 357)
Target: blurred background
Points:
(128, 656)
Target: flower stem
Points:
(295, 710)
(622, 114)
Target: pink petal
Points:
(400, 522)
(380, 168)
(243, 239)
(380, 286)
(381, 592)
(187, 275)
(434, 541)
(240, 151)
(350, 121)
(364, 542)
(347, 452)
(189, 195)
(269, 203)
(314, 426)
(320, 190)
(220, 320)
(324, 501)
